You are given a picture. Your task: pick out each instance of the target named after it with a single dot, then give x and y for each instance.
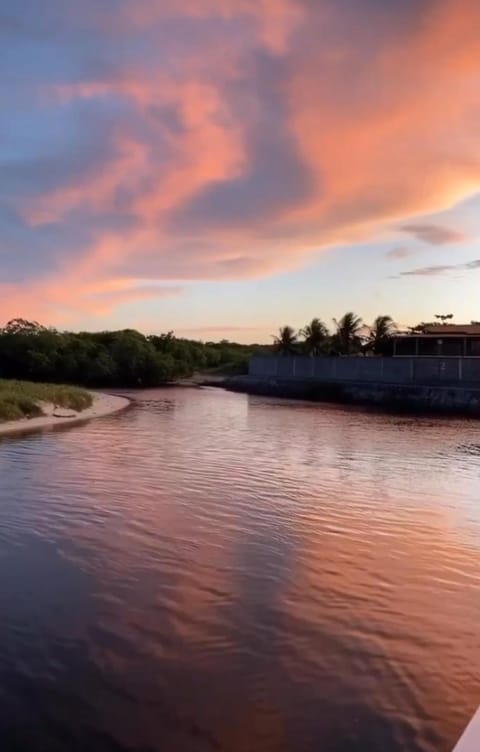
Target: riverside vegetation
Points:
(21, 399)
(32, 352)
(124, 358)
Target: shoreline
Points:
(103, 405)
(470, 740)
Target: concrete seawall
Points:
(423, 384)
(451, 399)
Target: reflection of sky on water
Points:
(211, 571)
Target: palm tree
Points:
(380, 334)
(347, 339)
(315, 335)
(285, 342)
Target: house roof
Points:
(458, 329)
(447, 330)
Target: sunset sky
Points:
(224, 167)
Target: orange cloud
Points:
(389, 132)
(103, 303)
(232, 139)
(62, 299)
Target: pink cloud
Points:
(434, 234)
(235, 138)
(52, 301)
(101, 303)
(398, 253)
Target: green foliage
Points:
(111, 359)
(12, 408)
(21, 399)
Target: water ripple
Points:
(211, 571)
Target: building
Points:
(440, 341)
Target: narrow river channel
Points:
(211, 571)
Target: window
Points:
(405, 345)
(452, 346)
(429, 346)
(473, 346)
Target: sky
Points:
(221, 168)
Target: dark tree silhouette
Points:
(33, 352)
(347, 339)
(285, 342)
(315, 336)
(380, 336)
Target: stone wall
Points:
(413, 398)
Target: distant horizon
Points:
(192, 334)
(226, 169)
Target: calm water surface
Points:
(208, 571)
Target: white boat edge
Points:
(470, 739)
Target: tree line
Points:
(123, 358)
(350, 337)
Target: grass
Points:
(22, 399)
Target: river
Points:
(211, 571)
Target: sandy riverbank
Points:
(103, 404)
